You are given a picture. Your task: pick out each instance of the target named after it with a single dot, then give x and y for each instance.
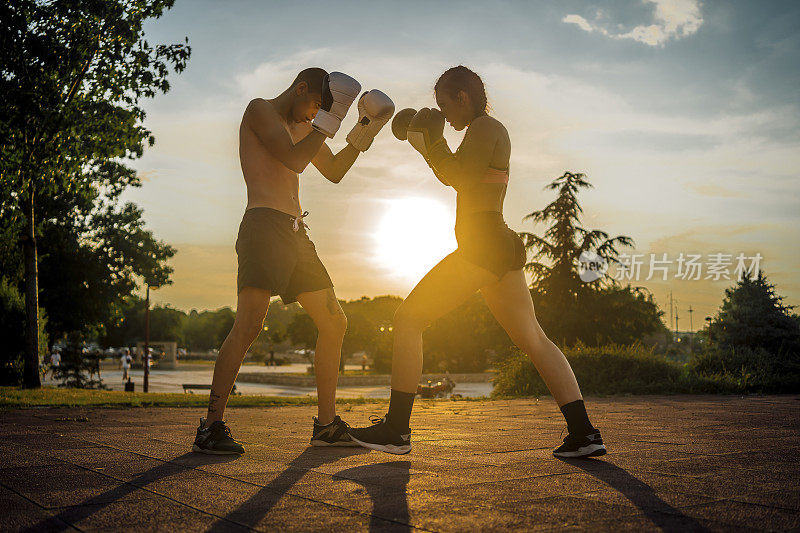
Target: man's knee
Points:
(334, 324)
(246, 329)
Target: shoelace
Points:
(375, 419)
(223, 428)
(298, 221)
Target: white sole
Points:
(196, 448)
(388, 448)
(593, 450)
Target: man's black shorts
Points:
(276, 254)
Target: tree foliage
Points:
(569, 309)
(72, 75)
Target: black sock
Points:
(577, 419)
(399, 414)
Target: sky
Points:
(684, 115)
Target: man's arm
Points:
(334, 167)
(262, 118)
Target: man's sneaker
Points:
(382, 437)
(590, 445)
(216, 439)
(333, 434)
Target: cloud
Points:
(672, 19)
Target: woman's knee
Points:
(408, 318)
(534, 342)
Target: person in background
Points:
(125, 362)
(55, 362)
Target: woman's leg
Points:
(444, 288)
(447, 285)
(511, 304)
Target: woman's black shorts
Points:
(277, 255)
(485, 240)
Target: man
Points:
(278, 138)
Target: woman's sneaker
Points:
(216, 439)
(333, 434)
(590, 445)
(383, 437)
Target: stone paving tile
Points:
(655, 521)
(746, 514)
(785, 498)
(154, 514)
(475, 466)
(60, 485)
(20, 514)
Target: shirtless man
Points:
(278, 138)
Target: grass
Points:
(15, 397)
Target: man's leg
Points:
(324, 309)
(251, 309)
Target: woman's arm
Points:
(468, 165)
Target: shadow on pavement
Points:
(259, 505)
(386, 485)
(76, 513)
(638, 492)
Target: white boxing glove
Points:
(374, 111)
(338, 92)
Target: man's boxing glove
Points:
(425, 130)
(338, 92)
(374, 111)
(401, 121)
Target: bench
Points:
(189, 387)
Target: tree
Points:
(564, 241)
(569, 309)
(166, 324)
(73, 74)
(302, 331)
(753, 316)
(207, 329)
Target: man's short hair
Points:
(313, 77)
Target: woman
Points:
(490, 258)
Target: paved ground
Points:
(675, 463)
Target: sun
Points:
(413, 235)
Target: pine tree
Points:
(754, 316)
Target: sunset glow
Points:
(413, 235)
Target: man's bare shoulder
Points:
(260, 110)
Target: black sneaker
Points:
(333, 434)
(577, 446)
(216, 439)
(382, 437)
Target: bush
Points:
(611, 369)
(636, 369)
(752, 369)
(12, 332)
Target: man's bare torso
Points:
(269, 182)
